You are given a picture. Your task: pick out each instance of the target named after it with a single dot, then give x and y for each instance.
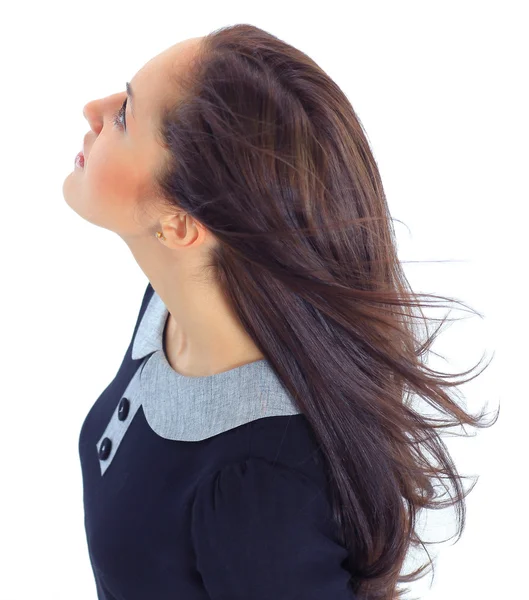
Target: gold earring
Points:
(160, 235)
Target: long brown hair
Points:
(266, 151)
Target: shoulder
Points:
(265, 495)
(255, 486)
(272, 448)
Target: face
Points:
(120, 156)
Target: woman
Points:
(259, 439)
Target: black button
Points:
(104, 449)
(123, 409)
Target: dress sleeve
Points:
(261, 531)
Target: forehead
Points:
(152, 83)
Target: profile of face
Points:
(121, 152)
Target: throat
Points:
(229, 359)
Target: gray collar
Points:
(195, 408)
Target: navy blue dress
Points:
(198, 488)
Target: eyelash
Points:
(120, 114)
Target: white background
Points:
(441, 91)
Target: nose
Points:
(94, 115)
(95, 110)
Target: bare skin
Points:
(203, 336)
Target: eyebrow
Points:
(130, 95)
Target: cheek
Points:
(109, 189)
(108, 178)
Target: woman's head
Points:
(122, 152)
(251, 139)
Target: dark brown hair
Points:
(268, 154)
